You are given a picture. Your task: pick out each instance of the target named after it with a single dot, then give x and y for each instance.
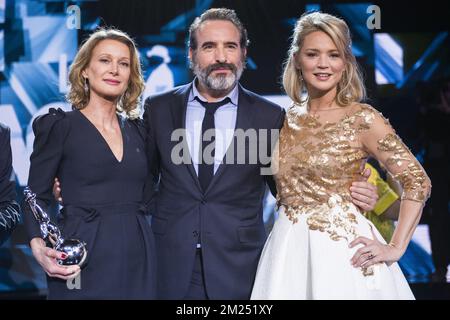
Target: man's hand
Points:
(364, 194)
(57, 191)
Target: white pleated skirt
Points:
(300, 263)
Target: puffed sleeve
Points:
(384, 144)
(50, 132)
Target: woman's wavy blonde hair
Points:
(130, 100)
(351, 87)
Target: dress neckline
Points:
(339, 120)
(89, 122)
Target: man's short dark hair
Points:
(217, 14)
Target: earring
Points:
(300, 76)
(86, 87)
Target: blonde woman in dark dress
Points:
(99, 157)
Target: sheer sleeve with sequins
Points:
(382, 142)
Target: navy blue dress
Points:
(103, 204)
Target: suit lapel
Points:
(244, 122)
(178, 110)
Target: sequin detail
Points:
(318, 160)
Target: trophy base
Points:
(76, 253)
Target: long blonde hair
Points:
(130, 100)
(351, 87)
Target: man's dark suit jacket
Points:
(227, 217)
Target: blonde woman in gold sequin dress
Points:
(321, 246)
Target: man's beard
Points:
(220, 82)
